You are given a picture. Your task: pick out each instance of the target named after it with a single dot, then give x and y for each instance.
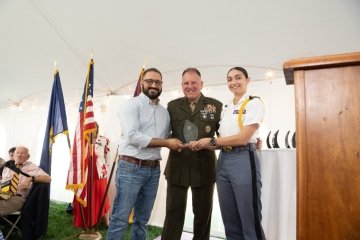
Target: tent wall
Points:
(26, 127)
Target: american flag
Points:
(78, 169)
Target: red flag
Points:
(78, 170)
(138, 85)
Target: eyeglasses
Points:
(152, 81)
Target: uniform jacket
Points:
(188, 168)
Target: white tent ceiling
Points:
(171, 35)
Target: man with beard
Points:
(145, 127)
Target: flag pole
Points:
(91, 166)
(90, 234)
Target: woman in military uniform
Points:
(238, 171)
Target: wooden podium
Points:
(327, 103)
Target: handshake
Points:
(176, 145)
(203, 143)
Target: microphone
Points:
(11, 165)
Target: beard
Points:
(152, 93)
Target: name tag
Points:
(237, 111)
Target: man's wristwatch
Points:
(212, 141)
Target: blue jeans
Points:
(135, 187)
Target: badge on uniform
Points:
(203, 113)
(211, 109)
(208, 111)
(207, 129)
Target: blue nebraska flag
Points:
(56, 123)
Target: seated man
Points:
(2, 161)
(11, 153)
(14, 198)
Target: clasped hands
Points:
(203, 143)
(177, 145)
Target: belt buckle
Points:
(149, 163)
(227, 148)
(152, 163)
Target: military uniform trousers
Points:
(238, 182)
(176, 208)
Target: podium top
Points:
(336, 60)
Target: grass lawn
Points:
(61, 226)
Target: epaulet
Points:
(242, 108)
(252, 97)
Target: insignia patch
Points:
(207, 129)
(204, 113)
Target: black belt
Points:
(247, 147)
(140, 162)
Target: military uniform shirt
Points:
(253, 113)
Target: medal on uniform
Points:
(211, 108)
(207, 129)
(203, 113)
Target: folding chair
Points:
(12, 219)
(34, 213)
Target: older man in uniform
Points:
(192, 117)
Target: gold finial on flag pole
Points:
(56, 66)
(145, 62)
(143, 68)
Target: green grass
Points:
(61, 226)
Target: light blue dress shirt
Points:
(141, 121)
